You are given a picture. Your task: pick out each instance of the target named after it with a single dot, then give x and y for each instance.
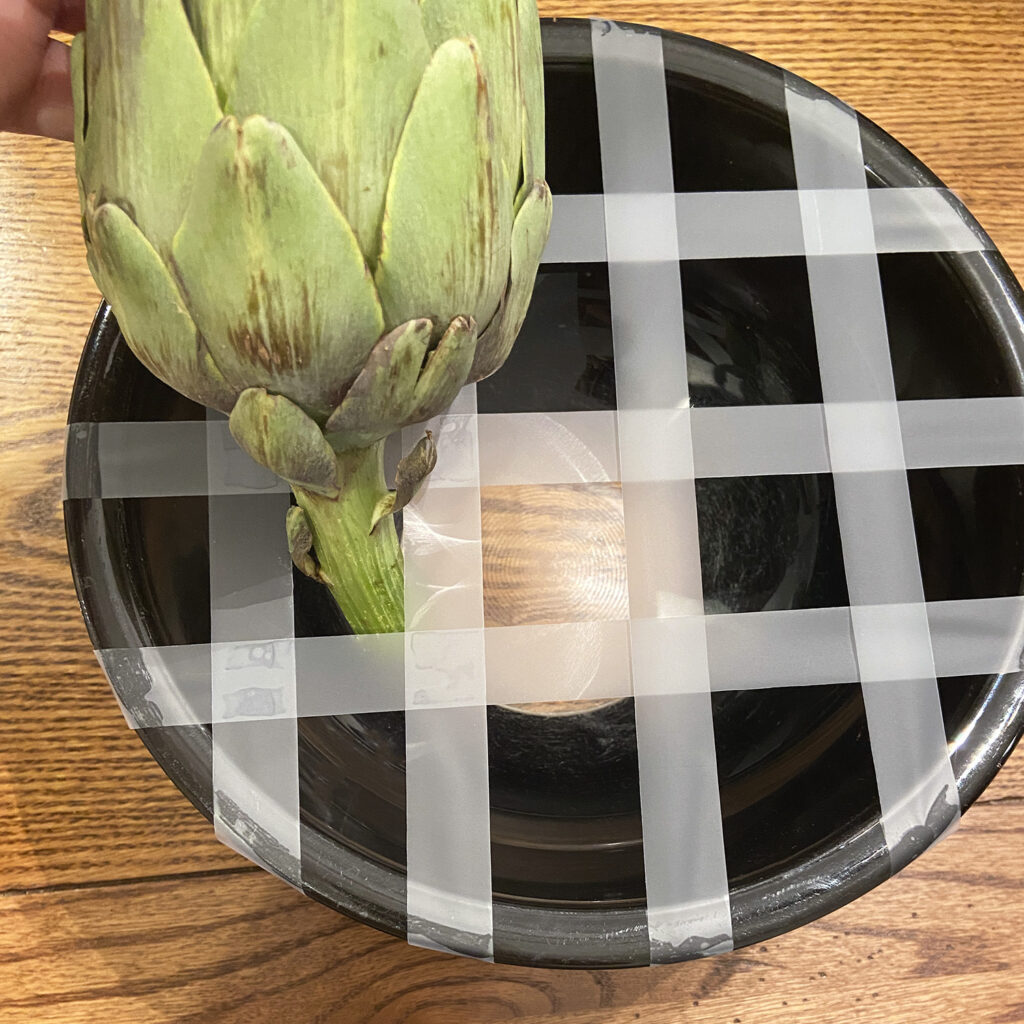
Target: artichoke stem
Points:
(363, 570)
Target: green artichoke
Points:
(323, 217)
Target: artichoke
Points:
(323, 218)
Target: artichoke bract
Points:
(323, 218)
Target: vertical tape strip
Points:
(255, 754)
(916, 785)
(687, 885)
(448, 838)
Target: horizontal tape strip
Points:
(136, 460)
(733, 225)
(344, 675)
(160, 460)
(963, 432)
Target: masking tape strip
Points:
(445, 685)
(573, 661)
(255, 760)
(737, 225)
(688, 908)
(144, 460)
(916, 786)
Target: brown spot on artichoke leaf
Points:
(257, 174)
(266, 336)
(288, 153)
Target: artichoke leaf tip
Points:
(279, 435)
(412, 473)
(300, 545)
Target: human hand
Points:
(35, 70)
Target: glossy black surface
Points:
(797, 786)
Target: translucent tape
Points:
(448, 823)
(688, 908)
(916, 786)
(160, 460)
(573, 661)
(255, 764)
(143, 460)
(732, 225)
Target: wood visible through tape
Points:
(554, 554)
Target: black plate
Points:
(798, 793)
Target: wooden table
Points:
(117, 902)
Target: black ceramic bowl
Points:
(798, 793)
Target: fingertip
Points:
(56, 122)
(49, 109)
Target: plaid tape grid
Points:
(256, 679)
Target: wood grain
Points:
(118, 903)
(245, 948)
(553, 554)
